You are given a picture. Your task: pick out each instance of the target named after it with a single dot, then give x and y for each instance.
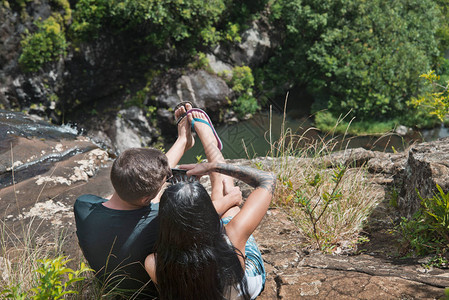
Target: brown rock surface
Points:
(293, 272)
(43, 204)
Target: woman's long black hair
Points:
(193, 258)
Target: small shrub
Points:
(55, 278)
(210, 36)
(232, 33)
(428, 229)
(88, 18)
(43, 46)
(64, 4)
(436, 98)
(53, 281)
(200, 61)
(314, 209)
(242, 83)
(437, 261)
(245, 104)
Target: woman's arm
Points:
(150, 267)
(246, 221)
(184, 141)
(232, 198)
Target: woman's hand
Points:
(234, 196)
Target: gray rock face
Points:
(30, 92)
(218, 66)
(254, 47)
(132, 129)
(427, 166)
(257, 43)
(200, 87)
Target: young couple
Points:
(192, 245)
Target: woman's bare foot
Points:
(213, 154)
(184, 128)
(203, 130)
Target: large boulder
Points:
(132, 129)
(203, 89)
(257, 43)
(427, 165)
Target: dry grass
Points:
(305, 176)
(20, 253)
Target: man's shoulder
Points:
(86, 202)
(89, 198)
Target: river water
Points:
(254, 135)
(244, 139)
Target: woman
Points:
(197, 255)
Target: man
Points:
(117, 233)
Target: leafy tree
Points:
(363, 56)
(161, 21)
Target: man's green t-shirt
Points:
(116, 242)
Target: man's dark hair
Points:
(139, 172)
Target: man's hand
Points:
(198, 170)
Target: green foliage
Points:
(245, 104)
(200, 62)
(311, 207)
(242, 83)
(393, 193)
(356, 55)
(446, 294)
(428, 229)
(65, 5)
(437, 261)
(232, 33)
(88, 18)
(242, 80)
(138, 99)
(166, 21)
(443, 29)
(21, 3)
(436, 98)
(54, 281)
(43, 46)
(324, 120)
(210, 36)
